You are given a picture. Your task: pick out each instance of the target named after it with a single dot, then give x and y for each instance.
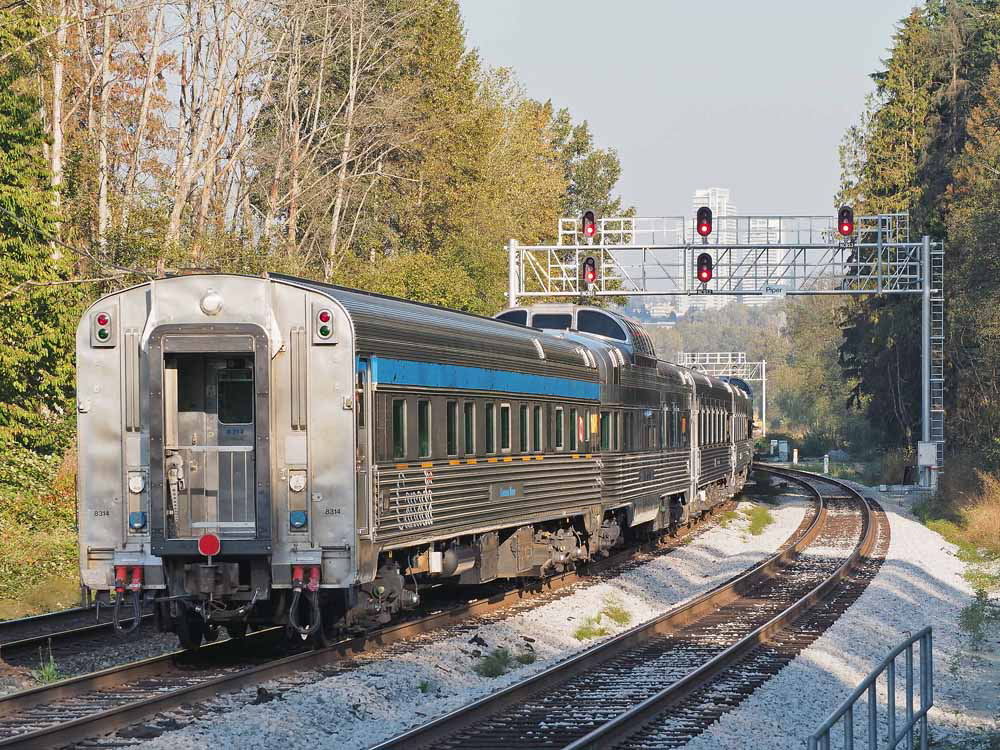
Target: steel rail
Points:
(117, 717)
(23, 644)
(628, 723)
(450, 724)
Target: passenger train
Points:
(273, 450)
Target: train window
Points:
(398, 428)
(505, 427)
(515, 316)
(592, 321)
(572, 429)
(627, 431)
(522, 429)
(661, 429)
(684, 431)
(424, 428)
(615, 419)
(536, 432)
(452, 419)
(236, 396)
(552, 321)
(605, 431)
(470, 429)
(491, 433)
(559, 428)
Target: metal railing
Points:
(820, 740)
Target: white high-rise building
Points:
(716, 198)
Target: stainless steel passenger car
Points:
(270, 449)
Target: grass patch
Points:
(616, 612)
(497, 662)
(494, 664)
(966, 512)
(424, 686)
(594, 626)
(591, 627)
(760, 518)
(727, 518)
(47, 670)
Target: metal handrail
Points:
(820, 739)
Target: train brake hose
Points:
(136, 614)
(293, 620)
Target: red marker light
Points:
(103, 319)
(209, 545)
(591, 277)
(589, 231)
(325, 316)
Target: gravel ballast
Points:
(920, 583)
(401, 687)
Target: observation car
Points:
(272, 450)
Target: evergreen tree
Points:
(36, 322)
(879, 162)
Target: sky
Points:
(753, 95)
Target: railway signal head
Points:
(704, 268)
(845, 221)
(589, 271)
(704, 222)
(588, 224)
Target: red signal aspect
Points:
(845, 221)
(704, 221)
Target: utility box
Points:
(926, 454)
(782, 450)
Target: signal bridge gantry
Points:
(732, 365)
(751, 256)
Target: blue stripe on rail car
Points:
(435, 375)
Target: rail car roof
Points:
(393, 327)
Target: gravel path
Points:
(388, 692)
(919, 584)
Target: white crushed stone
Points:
(388, 695)
(920, 583)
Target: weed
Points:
(590, 628)
(526, 657)
(727, 518)
(424, 686)
(976, 617)
(494, 664)
(760, 518)
(47, 670)
(616, 612)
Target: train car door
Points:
(210, 462)
(363, 413)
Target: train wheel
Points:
(237, 629)
(211, 633)
(190, 630)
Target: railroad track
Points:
(664, 682)
(97, 704)
(62, 633)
